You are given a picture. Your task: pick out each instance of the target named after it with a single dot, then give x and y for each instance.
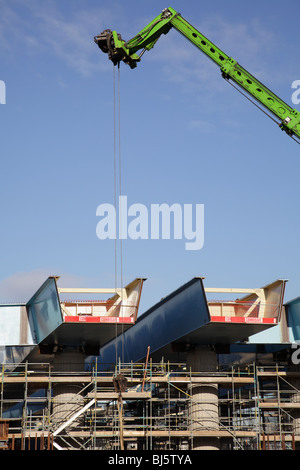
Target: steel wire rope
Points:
(115, 190)
(120, 189)
(255, 104)
(120, 194)
(118, 173)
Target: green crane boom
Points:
(118, 50)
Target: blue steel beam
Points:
(178, 315)
(293, 319)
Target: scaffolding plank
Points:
(137, 380)
(173, 433)
(115, 396)
(276, 405)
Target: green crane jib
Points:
(118, 50)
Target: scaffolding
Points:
(148, 407)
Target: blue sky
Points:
(187, 137)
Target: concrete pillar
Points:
(67, 399)
(203, 411)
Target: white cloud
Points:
(71, 39)
(41, 28)
(21, 286)
(202, 126)
(248, 43)
(184, 63)
(14, 29)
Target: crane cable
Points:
(255, 104)
(118, 192)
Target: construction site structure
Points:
(191, 373)
(153, 406)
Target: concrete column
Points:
(67, 399)
(203, 411)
